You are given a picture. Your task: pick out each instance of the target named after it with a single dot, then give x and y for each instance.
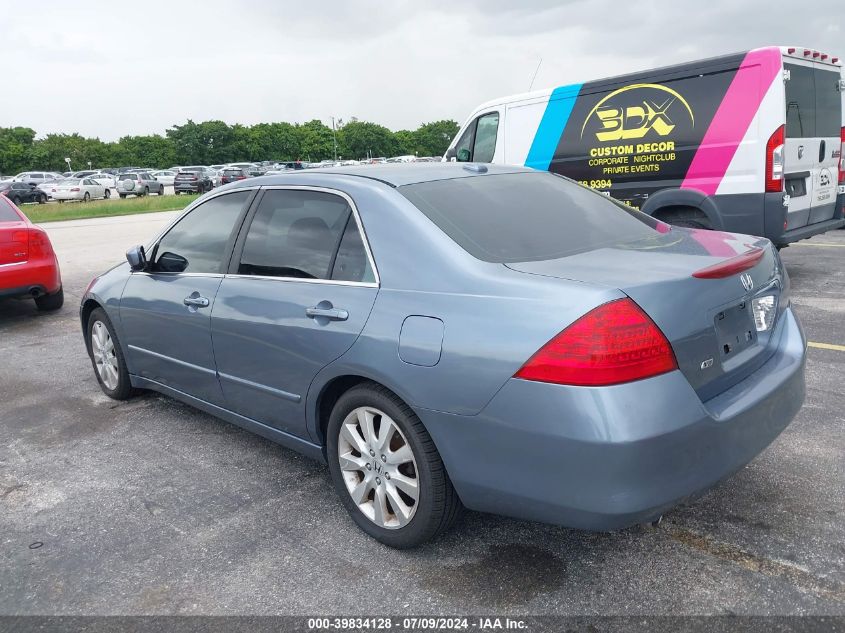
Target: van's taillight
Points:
(774, 161)
(842, 156)
(614, 343)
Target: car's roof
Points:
(398, 174)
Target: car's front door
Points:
(300, 289)
(165, 310)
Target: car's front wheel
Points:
(386, 469)
(107, 357)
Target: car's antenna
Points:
(531, 85)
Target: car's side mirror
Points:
(137, 258)
(463, 155)
(450, 154)
(171, 263)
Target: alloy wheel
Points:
(105, 359)
(379, 468)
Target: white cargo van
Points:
(750, 142)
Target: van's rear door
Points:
(813, 119)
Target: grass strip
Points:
(105, 208)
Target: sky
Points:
(110, 69)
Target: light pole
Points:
(67, 160)
(334, 138)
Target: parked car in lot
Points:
(21, 192)
(82, 189)
(165, 177)
(104, 178)
(138, 183)
(232, 174)
(193, 180)
(47, 185)
(577, 362)
(35, 177)
(28, 265)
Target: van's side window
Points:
(485, 138)
(478, 142)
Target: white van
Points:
(750, 143)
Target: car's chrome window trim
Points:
(156, 273)
(364, 239)
(332, 282)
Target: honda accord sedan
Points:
(448, 336)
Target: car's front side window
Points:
(296, 233)
(197, 243)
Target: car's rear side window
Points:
(525, 216)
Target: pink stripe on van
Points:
(731, 121)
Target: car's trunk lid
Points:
(708, 321)
(14, 242)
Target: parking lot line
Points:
(817, 244)
(837, 348)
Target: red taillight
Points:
(731, 266)
(614, 343)
(39, 243)
(774, 161)
(74, 188)
(842, 156)
(241, 177)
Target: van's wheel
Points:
(107, 356)
(47, 303)
(387, 470)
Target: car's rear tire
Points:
(42, 199)
(122, 195)
(86, 197)
(107, 194)
(48, 303)
(161, 190)
(16, 201)
(107, 356)
(375, 441)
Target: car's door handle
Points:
(333, 314)
(197, 302)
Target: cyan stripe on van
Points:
(551, 126)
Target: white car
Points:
(107, 180)
(165, 177)
(79, 189)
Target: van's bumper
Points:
(803, 232)
(605, 458)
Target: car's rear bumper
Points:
(64, 195)
(22, 280)
(187, 187)
(605, 458)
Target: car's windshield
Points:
(525, 216)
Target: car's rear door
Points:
(813, 120)
(165, 311)
(300, 289)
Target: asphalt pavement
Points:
(151, 507)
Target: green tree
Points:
(359, 139)
(316, 141)
(432, 139)
(15, 149)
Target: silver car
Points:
(139, 183)
(447, 335)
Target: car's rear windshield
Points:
(7, 213)
(129, 176)
(194, 170)
(526, 216)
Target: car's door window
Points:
(463, 148)
(197, 244)
(485, 138)
(88, 181)
(294, 233)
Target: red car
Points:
(28, 264)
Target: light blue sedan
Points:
(449, 336)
